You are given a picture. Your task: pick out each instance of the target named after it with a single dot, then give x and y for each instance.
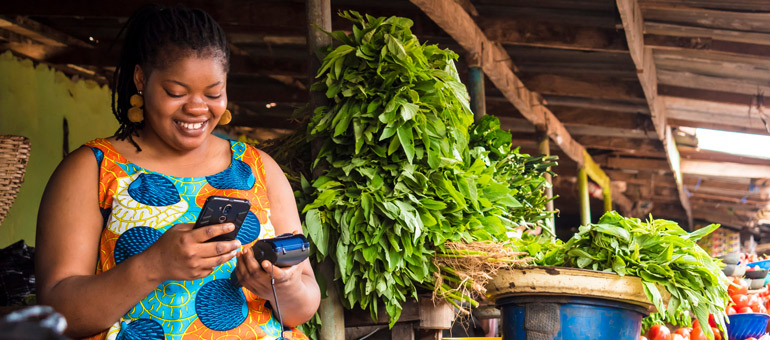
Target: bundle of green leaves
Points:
(658, 251)
(399, 176)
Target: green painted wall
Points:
(34, 100)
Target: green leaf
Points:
(407, 141)
(408, 111)
(316, 231)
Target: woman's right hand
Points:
(182, 252)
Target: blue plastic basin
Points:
(569, 318)
(764, 264)
(746, 325)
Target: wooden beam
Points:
(691, 153)
(641, 147)
(39, 32)
(573, 13)
(552, 35)
(699, 202)
(726, 220)
(633, 24)
(716, 96)
(636, 106)
(714, 64)
(713, 33)
(732, 193)
(601, 118)
(698, 81)
(468, 6)
(636, 164)
(674, 160)
(583, 130)
(596, 87)
(706, 45)
(708, 18)
(737, 5)
(725, 169)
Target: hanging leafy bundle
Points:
(658, 251)
(400, 178)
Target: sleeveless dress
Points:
(138, 205)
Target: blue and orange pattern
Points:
(140, 205)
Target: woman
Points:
(116, 251)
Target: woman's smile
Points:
(193, 128)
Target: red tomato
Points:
(740, 300)
(659, 332)
(712, 321)
(745, 310)
(677, 337)
(684, 332)
(642, 337)
(753, 300)
(697, 333)
(730, 310)
(717, 333)
(737, 286)
(762, 309)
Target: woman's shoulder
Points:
(78, 167)
(256, 156)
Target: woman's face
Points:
(183, 101)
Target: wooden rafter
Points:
(725, 169)
(552, 35)
(713, 33)
(633, 24)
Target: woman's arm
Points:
(297, 290)
(67, 248)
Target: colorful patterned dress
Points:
(138, 205)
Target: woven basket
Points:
(14, 154)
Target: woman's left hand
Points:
(256, 277)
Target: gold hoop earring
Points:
(226, 118)
(135, 113)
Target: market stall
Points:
(418, 135)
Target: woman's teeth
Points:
(191, 126)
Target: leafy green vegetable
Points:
(660, 252)
(403, 168)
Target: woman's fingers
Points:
(250, 263)
(280, 274)
(204, 234)
(215, 249)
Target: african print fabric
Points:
(139, 205)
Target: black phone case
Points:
(219, 209)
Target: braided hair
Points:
(155, 37)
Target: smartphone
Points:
(218, 210)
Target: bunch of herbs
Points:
(404, 169)
(658, 251)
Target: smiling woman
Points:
(117, 253)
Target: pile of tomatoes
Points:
(660, 332)
(741, 302)
(749, 258)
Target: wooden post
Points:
(607, 198)
(476, 88)
(544, 148)
(585, 204)
(319, 14)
